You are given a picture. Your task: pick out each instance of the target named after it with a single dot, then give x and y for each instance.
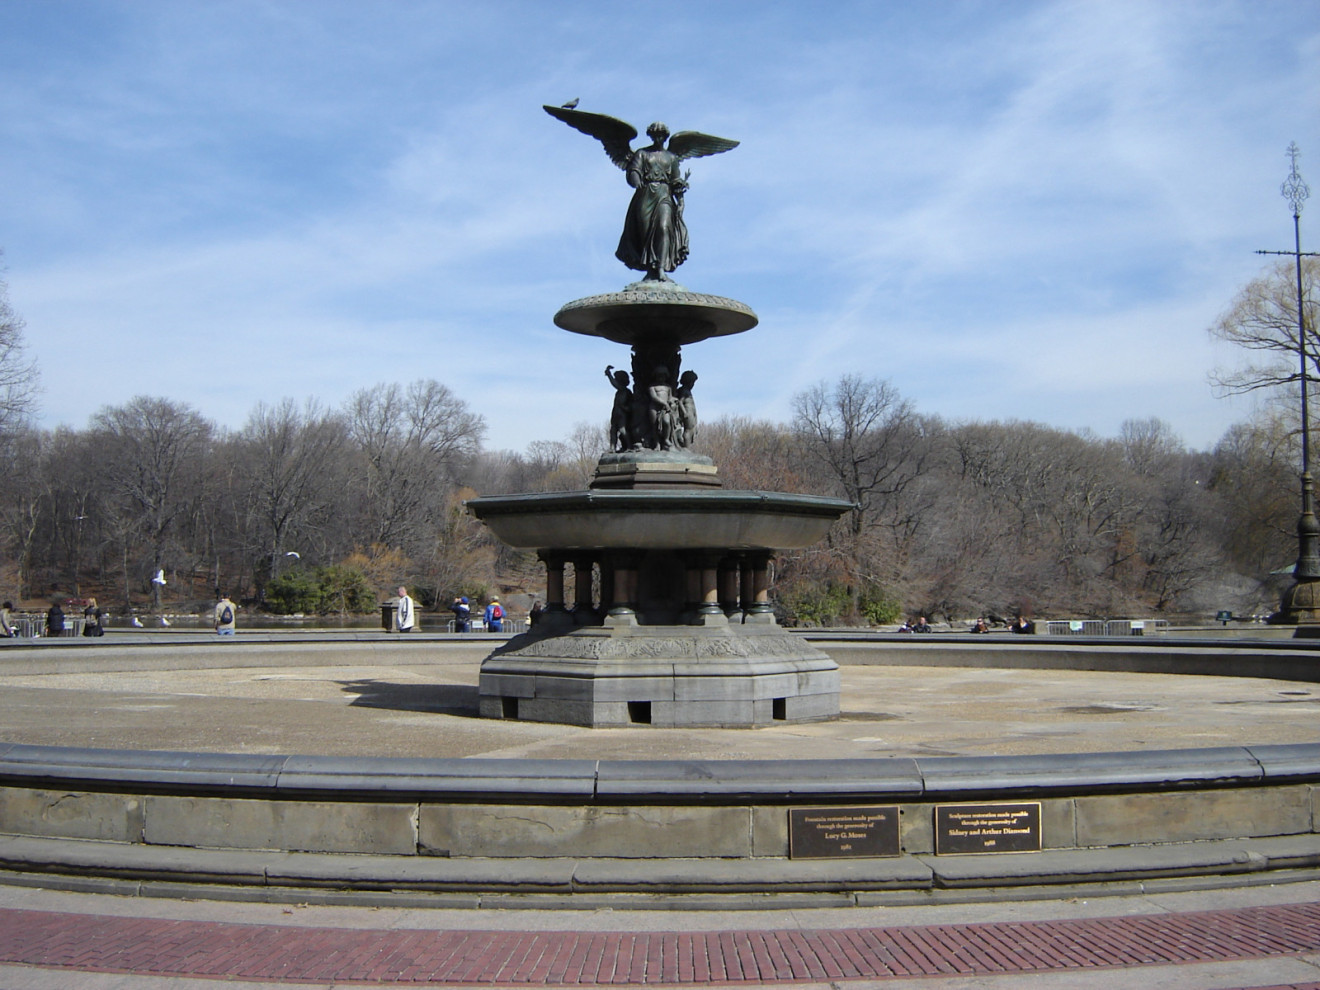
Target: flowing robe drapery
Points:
(654, 239)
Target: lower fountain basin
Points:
(659, 520)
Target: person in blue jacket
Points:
(494, 615)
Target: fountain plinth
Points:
(667, 618)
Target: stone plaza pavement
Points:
(414, 698)
(417, 697)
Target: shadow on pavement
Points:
(447, 699)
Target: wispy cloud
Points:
(1017, 211)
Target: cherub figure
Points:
(620, 435)
(685, 432)
(660, 412)
(655, 238)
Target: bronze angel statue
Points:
(654, 239)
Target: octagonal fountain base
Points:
(717, 674)
(670, 622)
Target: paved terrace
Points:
(396, 697)
(365, 694)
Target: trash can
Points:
(388, 620)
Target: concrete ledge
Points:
(1288, 660)
(512, 827)
(1092, 772)
(1225, 860)
(944, 778)
(778, 779)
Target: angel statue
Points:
(655, 239)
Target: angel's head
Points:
(657, 131)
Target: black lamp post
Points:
(1301, 601)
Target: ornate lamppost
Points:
(1301, 601)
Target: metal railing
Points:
(34, 626)
(510, 626)
(1106, 627)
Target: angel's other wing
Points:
(616, 135)
(694, 144)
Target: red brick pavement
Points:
(272, 953)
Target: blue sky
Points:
(1012, 210)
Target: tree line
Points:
(312, 508)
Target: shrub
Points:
(818, 605)
(879, 609)
(338, 589)
(293, 591)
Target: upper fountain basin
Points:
(650, 311)
(659, 520)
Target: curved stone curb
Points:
(584, 827)
(943, 778)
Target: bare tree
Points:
(1254, 476)
(866, 436)
(149, 447)
(871, 447)
(287, 457)
(413, 442)
(23, 505)
(756, 455)
(19, 379)
(569, 464)
(1263, 318)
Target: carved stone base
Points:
(731, 676)
(656, 469)
(1300, 606)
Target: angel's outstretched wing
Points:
(694, 144)
(616, 135)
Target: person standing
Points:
(55, 620)
(225, 616)
(92, 619)
(405, 616)
(494, 615)
(5, 628)
(462, 615)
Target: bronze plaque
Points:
(987, 828)
(825, 833)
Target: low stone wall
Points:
(658, 827)
(1279, 659)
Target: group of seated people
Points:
(1019, 625)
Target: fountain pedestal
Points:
(716, 674)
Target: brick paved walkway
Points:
(274, 953)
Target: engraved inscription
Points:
(826, 833)
(987, 828)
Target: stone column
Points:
(691, 587)
(606, 583)
(710, 585)
(554, 580)
(760, 563)
(728, 579)
(746, 591)
(623, 605)
(583, 611)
